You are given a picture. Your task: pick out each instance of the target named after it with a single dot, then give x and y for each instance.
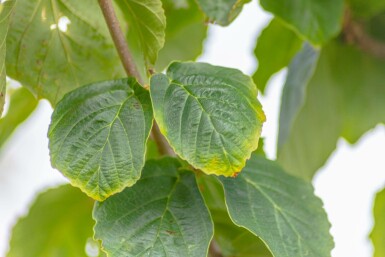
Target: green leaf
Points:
(222, 12)
(210, 115)
(318, 21)
(146, 24)
(300, 71)
(22, 104)
(378, 233)
(55, 46)
(276, 46)
(232, 240)
(344, 81)
(185, 32)
(161, 215)
(58, 224)
(6, 9)
(366, 8)
(98, 136)
(280, 209)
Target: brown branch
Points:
(354, 33)
(214, 250)
(163, 146)
(129, 65)
(119, 39)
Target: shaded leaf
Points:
(185, 32)
(232, 240)
(366, 8)
(146, 24)
(6, 9)
(318, 21)
(345, 80)
(22, 104)
(280, 209)
(98, 136)
(276, 46)
(222, 12)
(300, 71)
(55, 46)
(163, 214)
(378, 233)
(59, 224)
(210, 115)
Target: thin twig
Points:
(129, 65)
(119, 39)
(354, 33)
(163, 146)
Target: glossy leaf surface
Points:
(282, 210)
(163, 214)
(22, 104)
(318, 21)
(55, 46)
(276, 46)
(222, 12)
(378, 232)
(58, 224)
(6, 9)
(210, 115)
(98, 136)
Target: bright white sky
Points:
(346, 184)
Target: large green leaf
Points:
(210, 115)
(222, 12)
(344, 98)
(276, 46)
(98, 136)
(185, 32)
(232, 240)
(59, 224)
(280, 209)
(378, 232)
(55, 46)
(22, 104)
(145, 24)
(318, 21)
(161, 215)
(6, 9)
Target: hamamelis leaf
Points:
(6, 9)
(280, 209)
(98, 134)
(54, 47)
(162, 215)
(210, 115)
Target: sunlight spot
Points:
(92, 248)
(63, 23)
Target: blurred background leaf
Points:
(22, 104)
(59, 224)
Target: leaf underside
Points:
(55, 46)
